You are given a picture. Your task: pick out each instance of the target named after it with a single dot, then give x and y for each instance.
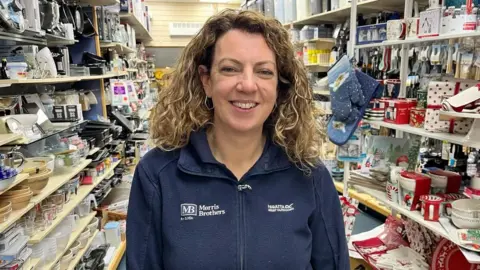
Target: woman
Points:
(235, 182)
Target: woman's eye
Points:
(266, 72)
(227, 69)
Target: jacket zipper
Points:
(242, 225)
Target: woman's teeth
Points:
(244, 105)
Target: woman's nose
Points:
(247, 82)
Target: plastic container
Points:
(17, 70)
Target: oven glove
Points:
(339, 132)
(458, 102)
(346, 95)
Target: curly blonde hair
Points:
(181, 107)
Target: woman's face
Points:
(242, 82)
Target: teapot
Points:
(13, 159)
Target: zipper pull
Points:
(243, 187)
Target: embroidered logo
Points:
(189, 210)
(280, 208)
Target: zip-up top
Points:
(188, 211)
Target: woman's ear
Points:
(205, 78)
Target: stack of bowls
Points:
(38, 181)
(83, 238)
(93, 225)
(75, 248)
(5, 211)
(19, 197)
(466, 213)
(66, 259)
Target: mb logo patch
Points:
(189, 209)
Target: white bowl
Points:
(407, 183)
(466, 208)
(465, 222)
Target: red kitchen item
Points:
(412, 186)
(397, 111)
(417, 117)
(431, 205)
(448, 256)
(451, 179)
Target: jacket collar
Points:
(197, 158)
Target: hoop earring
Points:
(206, 104)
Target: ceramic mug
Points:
(431, 207)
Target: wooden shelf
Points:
(62, 79)
(132, 69)
(322, 92)
(18, 179)
(99, 2)
(414, 215)
(57, 181)
(81, 252)
(119, 47)
(141, 32)
(317, 67)
(8, 138)
(453, 115)
(118, 256)
(54, 183)
(317, 40)
(419, 40)
(82, 192)
(453, 138)
(93, 151)
(365, 199)
(341, 14)
(82, 223)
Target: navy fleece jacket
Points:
(188, 212)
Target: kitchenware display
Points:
(5, 183)
(412, 186)
(18, 201)
(431, 207)
(469, 208)
(83, 208)
(444, 181)
(36, 165)
(39, 181)
(13, 159)
(463, 222)
(75, 248)
(83, 238)
(66, 259)
(5, 211)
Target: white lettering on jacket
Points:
(280, 207)
(189, 210)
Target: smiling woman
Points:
(236, 181)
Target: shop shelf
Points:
(18, 179)
(118, 256)
(81, 252)
(141, 31)
(453, 138)
(119, 47)
(54, 183)
(82, 223)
